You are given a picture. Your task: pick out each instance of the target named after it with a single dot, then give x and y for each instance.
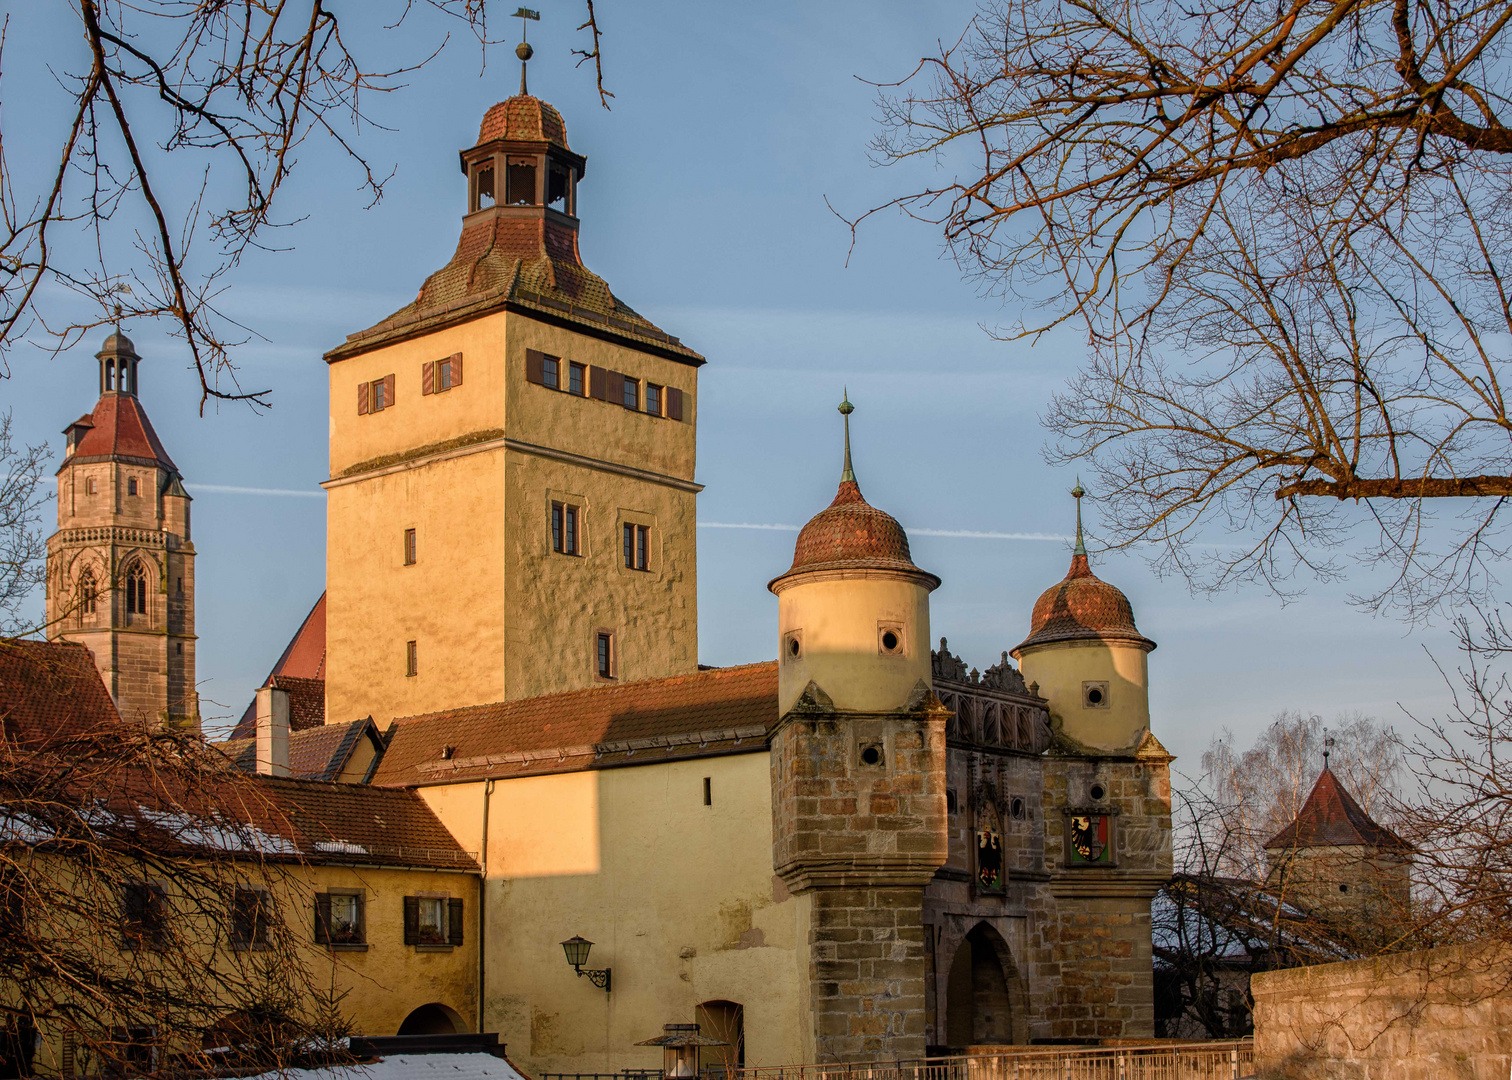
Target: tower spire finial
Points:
(1328, 743)
(523, 49)
(846, 408)
(1076, 493)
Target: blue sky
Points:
(704, 206)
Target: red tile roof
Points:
(1082, 607)
(119, 431)
(1331, 818)
(523, 119)
(852, 534)
(315, 753)
(301, 665)
(50, 689)
(721, 710)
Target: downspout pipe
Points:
(488, 786)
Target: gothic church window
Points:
(136, 590)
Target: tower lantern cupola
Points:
(522, 163)
(118, 365)
(1088, 657)
(853, 609)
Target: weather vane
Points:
(1328, 742)
(523, 49)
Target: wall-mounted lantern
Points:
(576, 949)
(680, 1044)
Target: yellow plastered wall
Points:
(1062, 670)
(494, 612)
(838, 618)
(678, 897)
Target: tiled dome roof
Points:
(117, 344)
(525, 119)
(1083, 607)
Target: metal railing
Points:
(1228, 1060)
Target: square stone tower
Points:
(511, 501)
(120, 568)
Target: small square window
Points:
(551, 369)
(409, 547)
(340, 919)
(653, 399)
(604, 654)
(411, 659)
(577, 378)
(632, 394)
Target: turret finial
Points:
(846, 408)
(1076, 493)
(523, 49)
(1328, 743)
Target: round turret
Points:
(1088, 656)
(853, 609)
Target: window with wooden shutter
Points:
(427, 378)
(340, 918)
(598, 383)
(454, 920)
(322, 918)
(363, 402)
(614, 387)
(551, 372)
(674, 403)
(456, 370)
(535, 367)
(412, 920)
(388, 392)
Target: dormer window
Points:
(521, 175)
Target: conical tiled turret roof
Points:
(1331, 818)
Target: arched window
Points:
(136, 590)
(87, 590)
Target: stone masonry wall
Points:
(1440, 1014)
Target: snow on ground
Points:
(409, 1067)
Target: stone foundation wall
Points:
(1440, 1014)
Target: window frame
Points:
(251, 934)
(551, 371)
(149, 928)
(566, 521)
(571, 529)
(410, 548)
(357, 938)
(657, 391)
(605, 654)
(577, 379)
(630, 395)
(412, 659)
(131, 486)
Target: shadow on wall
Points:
(984, 997)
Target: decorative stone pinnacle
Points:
(1076, 493)
(846, 408)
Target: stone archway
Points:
(433, 1019)
(984, 999)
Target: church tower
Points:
(120, 568)
(511, 502)
(858, 775)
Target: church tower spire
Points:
(120, 568)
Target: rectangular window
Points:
(653, 399)
(144, 915)
(250, 911)
(376, 396)
(433, 920)
(570, 530)
(89, 485)
(556, 526)
(551, 372)
(636, 547)
(411, 660)
(632, 394)
(577, 377)
(340, 919)
(708, 791)
(443, 375)
(565, 520)
(131, 487)
(605, 657)
(409, 547)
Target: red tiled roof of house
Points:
(50, 689)
(315, 753)
(1331, 818)
(716, 711)
(852, 534)
(1082, 607)
(118, 429)
(300, 667)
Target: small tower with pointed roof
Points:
(858, 774)
(1334, 858)
(120, 568)
(1088, 657)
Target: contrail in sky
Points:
(229, 489)
(968, 534)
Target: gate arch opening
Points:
(433, 1019)
(984, 998)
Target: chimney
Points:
(273, 731)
